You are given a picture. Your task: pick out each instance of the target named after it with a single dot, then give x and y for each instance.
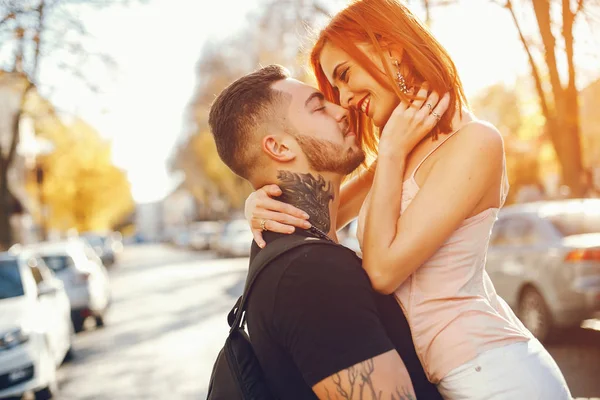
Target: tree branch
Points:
(542, 14)
(534, 69)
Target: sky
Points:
(156, 45)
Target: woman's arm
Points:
(396, 245)
(352, 196)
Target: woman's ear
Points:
(277, 149)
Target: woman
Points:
(426, 211)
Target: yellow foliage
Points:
(231, 186)
(82, 188)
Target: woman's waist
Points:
(445, 347)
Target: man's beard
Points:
(326, 156)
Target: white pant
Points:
(520, 371)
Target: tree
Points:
(81, 185)
(555, 22)
(34, 30)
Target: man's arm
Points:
(383, 377)
(326, 317)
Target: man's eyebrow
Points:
(313, 95)
(336, 70)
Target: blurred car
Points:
(544, 260)
(235, 240)
(202, 233)
(106, 246)
(84, 276)
(35, 326)
(181, 238)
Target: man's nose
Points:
(338, 112)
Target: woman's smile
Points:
(363, 104)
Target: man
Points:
(316, 325)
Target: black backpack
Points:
(237, 374)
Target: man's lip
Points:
(359, 104)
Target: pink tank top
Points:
(450, 302)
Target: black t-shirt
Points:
(312, 313)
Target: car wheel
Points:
(47, 393)
(99, 321)
(78, 324)
(534, 314)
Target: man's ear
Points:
(277, 148)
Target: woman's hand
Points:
(410, 123)
(265, 213)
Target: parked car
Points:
(84, 276)
(235, 240)
(544, 260)
(35, 326)
(106, 246)
(201, 233)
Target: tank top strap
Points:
(505, 185)
(433, 151)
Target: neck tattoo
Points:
(310, 194)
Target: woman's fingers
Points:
(283, 218)
(430, 104)
(421, 97)
(257, 233)
(269, 204)
(438, 111)
(271, 190)
(272, 226)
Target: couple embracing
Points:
(418, 316)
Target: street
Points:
(168, 322)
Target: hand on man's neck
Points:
(316, 194)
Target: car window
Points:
(569, 224)
(58, 262)
(11, 284)
(520, 231)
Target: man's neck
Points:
(314, 194)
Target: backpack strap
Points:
(271, 252)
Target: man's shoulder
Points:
(313, 263)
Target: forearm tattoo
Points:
(359, 385)
(308, 193)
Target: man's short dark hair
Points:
(240, 111)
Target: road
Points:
(168, 322)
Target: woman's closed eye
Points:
(319, 109)
(344, 75)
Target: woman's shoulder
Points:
(480, 137)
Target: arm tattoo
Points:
(359, 383)
(309, 194)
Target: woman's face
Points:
(358, 89)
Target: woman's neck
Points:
(461, 119)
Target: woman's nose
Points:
(346, 97)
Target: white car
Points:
(235, 240)
(35, 326)
(84, 276)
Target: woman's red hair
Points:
(388, 26)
